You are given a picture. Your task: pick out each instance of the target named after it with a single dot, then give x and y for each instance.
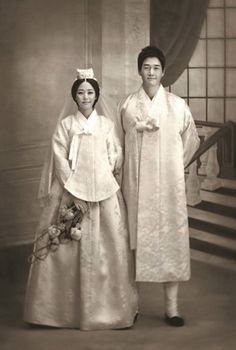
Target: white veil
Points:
(104, 106)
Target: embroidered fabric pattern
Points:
(154, 184)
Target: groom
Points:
(160, 139)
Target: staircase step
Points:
(209, 243)
(219, 197)
(217, 208)
(212, 228)
(225, 242)
(231, 184)
(226, 191)
(213, 249)
(213, 218)
(213, 260)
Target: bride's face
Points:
(85, 98)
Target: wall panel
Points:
(41, 43)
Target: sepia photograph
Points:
(118, 174)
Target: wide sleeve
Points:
(119, 122)
(60, 147)
(189, 136)
(115, 153)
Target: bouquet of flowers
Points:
(68, 228)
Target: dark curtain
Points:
(175, 26)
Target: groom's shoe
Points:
(175, 321)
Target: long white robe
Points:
(87, 284)
(160, 139)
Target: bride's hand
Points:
(80, 204)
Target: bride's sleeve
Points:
(60, 146)
(115, 153)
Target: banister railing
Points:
(213, 139)
(219, 142)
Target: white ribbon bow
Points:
(74, 146)
(148, 124)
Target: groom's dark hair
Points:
(151, 51)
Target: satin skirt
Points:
(87, 284)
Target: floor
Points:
(208, 303)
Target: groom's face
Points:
(151, 72)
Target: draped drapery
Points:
(175, 26)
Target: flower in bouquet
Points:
(66, 213)
(76, 232)
(63, 211)
(53, 231)
(61, 226)
(54, 244)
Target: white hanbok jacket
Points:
(89, 173)
(160, 139)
